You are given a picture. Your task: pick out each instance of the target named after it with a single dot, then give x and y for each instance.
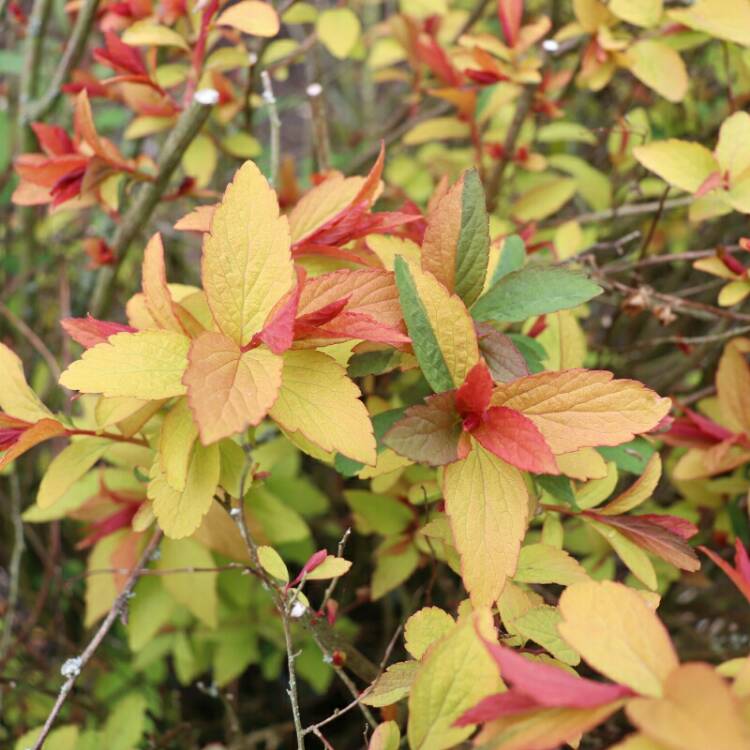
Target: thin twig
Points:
(37, 109)
(620, 212)
(275, 124)
(334, 581)
(137, 216)
(321, 140)
(657, 260)
(677, 339)
(33, 339)
(77, 666)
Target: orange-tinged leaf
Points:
(155, 290)
(583, 408)
(614, 630)
(44, 429)
(180, 513)
(733, 385)
(198, 220)
(487, 502)
(252, 17)
(247, 264)
(698, 711)
(16, 397)
(229, 389)
(318, 400)
(146, 364)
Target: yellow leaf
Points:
(388, 246)
(146, 365)
(437, 129)
(698, 711)
(616, 632)
(680, 163)
(725, 19)
(272, 563)
(544, 200)
(318, 400)
(426, 627)
(176, 440)
(251, 17)
(180, 513)
(733, 385)
(101, 590)
(16, 397)
(583, 408)
(44, 429)
(595, 491)
(733, 148)
(247, 264)
(638, 742)
(645, 13)
(539, 624)
(592, 14)
(733, 293)
(660, 67)
(67, 467)
(583, 464)
(229, 389)
(564, 341)
(540, 563)
(487, 503)
(149, 34)
(200, 157)
(331, 567)
(339, 30)
(145, 125)
(638, 492)
(196, 591)
(155, 291)
(393, 685)
(454, 676)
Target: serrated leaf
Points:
(534, 290)
(227, 388)
(456, 242)
(583, 408)
(439, 325)
(319, 401)
(615, 631)
(424, 628)
(454, 676)
(393, 685)
(487, 502)
(147, 365)
(179, 513)
(247, 264)
(540, 563)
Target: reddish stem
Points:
(199, 53)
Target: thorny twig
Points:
(73, 667)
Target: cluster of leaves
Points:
(413, 363)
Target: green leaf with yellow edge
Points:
(543, 200)
(196, 591)
(437, 129)
(386, 736)
(454, 676)
(179, 513)
(148, 34)
(393, 685)
(228, 388)
(595, 491)
(723, 19)
(251, 17)
(176, 440)
(320, 402)
(644, 13)
(539, 624)
(147, 365)
(541, 563)
(247, 264)
(68, 466)
(659, 67)
(534, 290)
(16, 397)
(616, 632)
(683, 164)
(440, 327)
(424, 628)
(339, 30)
(487, 503)
(456, 242)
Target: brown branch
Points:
(620, 212)
(73, 667)
(33, 339)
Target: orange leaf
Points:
(44, 429)
(154, 283)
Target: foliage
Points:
(331, 368)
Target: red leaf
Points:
(89, 331)
(516, 439)
(510, 13)
(551, 686)
(473, 397)
(674, 524)
(119, 56)
(740, 576)
(53, 140)
(313, 562)
(278, 333)
(496, 706)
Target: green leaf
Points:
(381, 423)
(472, 252)
(631, 457)
(512, 257)
(533, 352)
(124, 726)
(557, 486)
(534, 290)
